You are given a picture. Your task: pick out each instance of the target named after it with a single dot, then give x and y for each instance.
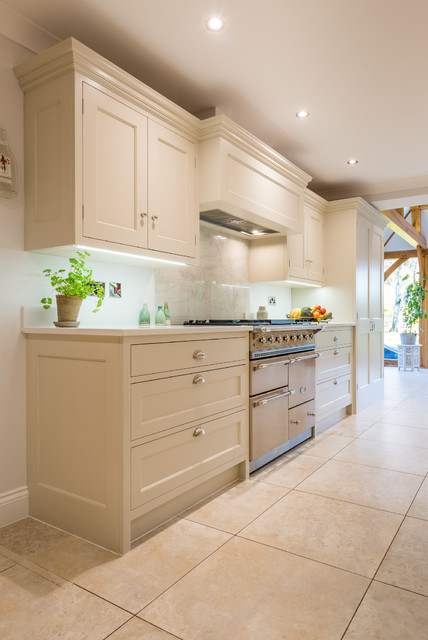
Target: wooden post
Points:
(423, 323)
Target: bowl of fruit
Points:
(318, 313)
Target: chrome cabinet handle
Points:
(142, 216)
(198, 355)
(259, 403)
(295, 421)
(309, 357)
(154, 218)
(198, 432)
(198, 379)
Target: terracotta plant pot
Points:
(408, 338)
(68, 308)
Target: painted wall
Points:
(219, 287)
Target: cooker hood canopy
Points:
(244, 185)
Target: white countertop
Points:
(124, 331)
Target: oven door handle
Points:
(257, 367)
(309, 357)
(259, 403)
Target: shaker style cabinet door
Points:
(172, 192)
(114, 170)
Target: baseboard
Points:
(13, 506)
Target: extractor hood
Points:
(244, 185)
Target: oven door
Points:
(268, 374)
(268, 421)
(301, 378)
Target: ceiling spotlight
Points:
(302, 114)
(352, 161)
(215, 24)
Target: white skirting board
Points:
(13, 506)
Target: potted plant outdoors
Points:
(72, 288)
(412, 310)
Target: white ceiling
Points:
(359, 67)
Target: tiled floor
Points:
(328, 542)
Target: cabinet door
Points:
(296, 256)
(314, 235)
(114, 170)
(376, 308)
(172, 192)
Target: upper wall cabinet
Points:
(109, 163)
(297, 259)
(241, 176)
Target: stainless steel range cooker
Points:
(281, 386)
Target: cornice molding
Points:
(359, 205)
(314, 200)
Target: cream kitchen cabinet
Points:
(354, 275)
(296, 259)
(306, 251)
(334, 374)
(121, 438)
(109, 163)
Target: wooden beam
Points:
(423, 322)
(390, 255)
(393, 267)
(416, 218)
(405, 230)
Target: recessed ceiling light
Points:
(302, 114)
(215, 24)
(352, 161)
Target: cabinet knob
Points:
(311, 414)
(198, 355)
(336, 353)
(334, 381)
(295, 421)
(198, 432)
(198, 379)
(335, 338)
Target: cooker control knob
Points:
(279, 339)
(294, 338)
(263, 340)
(287, 338)
(272, 339)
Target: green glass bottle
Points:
(144, 318)
(160, 316)
(167, 314)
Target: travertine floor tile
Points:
(368, 486)
(137, 629)
(386, 455)
(419, 508)
(29, 536)
(338, 533)
(133, 580)
(247, 591)
(399, 434)
(34, 608)
(5, 563)
(390, 613)
(289, 470)
(350, 426)
(406, 563)
(237, 506)
(407, 418)
(326, 445)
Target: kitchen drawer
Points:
(333, 363)
(162, 357)
(158, 405)
(161, 466)
(333, 394)
(331, 337)
(301, 418)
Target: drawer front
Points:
(333, 363)
(333, 395)
(301, 418)
(163, 465)
(331, 337)
(159, 405)
(161, 357)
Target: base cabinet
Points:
(335, 374)
(104, 456)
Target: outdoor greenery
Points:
(77, 282)
(413, 305)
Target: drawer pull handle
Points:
(295, 421)
(335, 338)
(198, 432)
(257, 367)
(198, 379)
(334, 381)
(336, 353)
(198, 355)
(260, 403)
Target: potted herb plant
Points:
(412, 310)
(72, 288)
